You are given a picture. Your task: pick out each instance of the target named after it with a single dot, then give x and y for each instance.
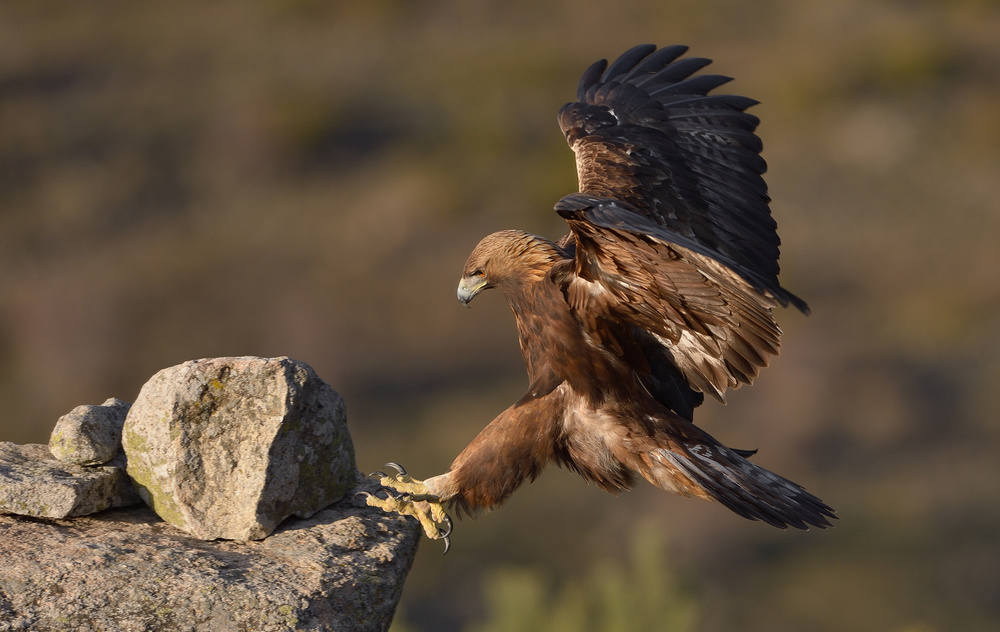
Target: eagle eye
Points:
(478, 272)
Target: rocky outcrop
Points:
(34, 483)
(221, 448)
(126, 570)
(230, 447)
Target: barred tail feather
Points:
(747, 489)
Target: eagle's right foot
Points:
(414, 500)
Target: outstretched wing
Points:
(672, 227)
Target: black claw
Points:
(447, 532)
(444, 534)
(362, 493)
(396, 466)
(377, 474)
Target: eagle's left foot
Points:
(414, 500)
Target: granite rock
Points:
(89, 435)
(230, 447)
(33, 483)
(126, 570)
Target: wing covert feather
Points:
(715, 326)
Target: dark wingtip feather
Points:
(677, 71)
(658, 60)
(785, 297)
(628, 60)
(590, 77)
(799, 304)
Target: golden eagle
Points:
(660, 293)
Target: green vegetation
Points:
(610, 598)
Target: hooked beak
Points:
(468, 287)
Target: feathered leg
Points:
(513, 447)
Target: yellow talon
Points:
(414, 500)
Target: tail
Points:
(713, 471)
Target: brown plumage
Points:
(661, 292)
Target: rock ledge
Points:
(127, 570)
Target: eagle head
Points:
(506, 259)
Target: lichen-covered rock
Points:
(125, 570)
(89, 435)
(33, 483)
(230, 447)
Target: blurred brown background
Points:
(304, 178)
